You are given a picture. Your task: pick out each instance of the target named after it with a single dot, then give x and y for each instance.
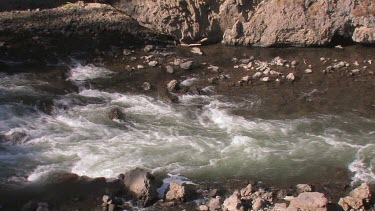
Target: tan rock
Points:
(309, 201)
(180, 192)
(233, 203)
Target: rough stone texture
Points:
(141, 185)
(214, 203)
(309, 201)
(257, 22)
(180, 192)
(357, 198)
(233, 203)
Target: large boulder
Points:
(309, 201)
(357, 199)
(142, 185)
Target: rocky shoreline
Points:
(138, 188)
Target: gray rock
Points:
(196, 50)
(127, 52)
(146, 86)
(149, 48)
(169, 69)
(153, 63)
(186, 65)
(116, 113)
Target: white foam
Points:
(88, 72)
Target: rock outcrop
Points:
(258, 22)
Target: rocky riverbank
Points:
(39, 36)
(138, 188)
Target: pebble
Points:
(177, 62)
(149, 48)
(244, 61)
(146, 86)
(322, 59)
(127, 52)
(169, 69)
(265, 79)
(290, 77)
(214, 68)
(172, 85)
(257, 75)
(153, 63)
(369, 61)
(133, 58)
(203, 208)
(245, 79)
(196, 50)
(339, 47)
(140, 66)
(213, 80)
(294, 63)
(186, 65)
(236, 67)
(355, 71)
(308, 71)
(356, 63)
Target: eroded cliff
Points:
(258, 22)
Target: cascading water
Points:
(201, 137)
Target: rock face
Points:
(141, 185)
(293, 22)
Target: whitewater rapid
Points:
(200, 137)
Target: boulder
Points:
(115, 113)
(172, 85)
(180, 192)
(357, 199)
(309, 201)
(141, 185)
(233, 203)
